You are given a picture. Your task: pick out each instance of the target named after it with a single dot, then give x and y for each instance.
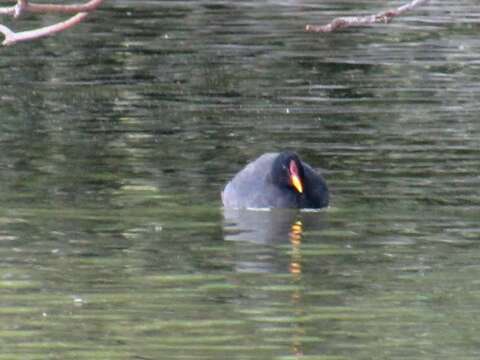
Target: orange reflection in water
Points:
(295, 237)
(295, 267)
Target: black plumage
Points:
(269, 182)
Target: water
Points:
(117, 137)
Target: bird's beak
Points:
(297, 184)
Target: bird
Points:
(276, 180)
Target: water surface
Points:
(117, 136)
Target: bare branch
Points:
(13, 37)
(23, 6)
(383, 17)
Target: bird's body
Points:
(276, 180)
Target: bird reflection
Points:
(263, 229)
(259, 226)
(260, 240)
(266, 228)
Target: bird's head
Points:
(287, 170)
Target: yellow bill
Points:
(297, 184)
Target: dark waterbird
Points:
(276, 180)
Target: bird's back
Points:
(249, 186)
(254, 187)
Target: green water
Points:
(117, 137)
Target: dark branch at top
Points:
(383, 17)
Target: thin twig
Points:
(23, 6)
(20, 8)
(383, 17)
(15, 37)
